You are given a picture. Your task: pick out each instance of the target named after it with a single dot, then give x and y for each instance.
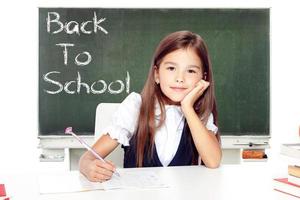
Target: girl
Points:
(173, 121)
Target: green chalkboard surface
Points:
(93, 55)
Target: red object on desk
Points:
(284, 186)
(2, 190)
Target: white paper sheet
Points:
(74, 181)
(134, 179)
(65, 182)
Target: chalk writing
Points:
(56, 25)
(77, 62)
(97, 87)
(53, 19)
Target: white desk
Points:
(247, 181)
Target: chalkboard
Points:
(93, 55)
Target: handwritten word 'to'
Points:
(78, 62)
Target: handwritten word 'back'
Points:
(71, 27)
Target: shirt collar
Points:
(176, 108)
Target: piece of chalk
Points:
(2, 190)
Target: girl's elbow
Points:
(213, 165)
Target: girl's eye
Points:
(171, 68)
(191, 71)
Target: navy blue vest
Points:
(186, 153)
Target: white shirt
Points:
(167, 137)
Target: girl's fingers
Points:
(204, 83)
(102, 171)
(107, 165)
(103, 174)
(101, 177)
(195, 93)
(202, 86)
(112, 164)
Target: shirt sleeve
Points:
(210, 124)
(124, 120)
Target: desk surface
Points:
(247, 181)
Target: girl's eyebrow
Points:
(189, 66)
(170, 63)
(194, 66)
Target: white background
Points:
(19, 71)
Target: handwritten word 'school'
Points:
(75, 86)
(53, 19)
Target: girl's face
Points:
(178, 73)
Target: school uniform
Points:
(173, 144)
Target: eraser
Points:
(253, 154)
(2, 190)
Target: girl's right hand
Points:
(98, 171)
(94, 169)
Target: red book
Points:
(2, 190)
(283, 185)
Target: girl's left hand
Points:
(189, 100)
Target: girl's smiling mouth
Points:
(178, 89)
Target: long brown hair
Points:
(152, 93)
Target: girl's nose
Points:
(179, 78)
